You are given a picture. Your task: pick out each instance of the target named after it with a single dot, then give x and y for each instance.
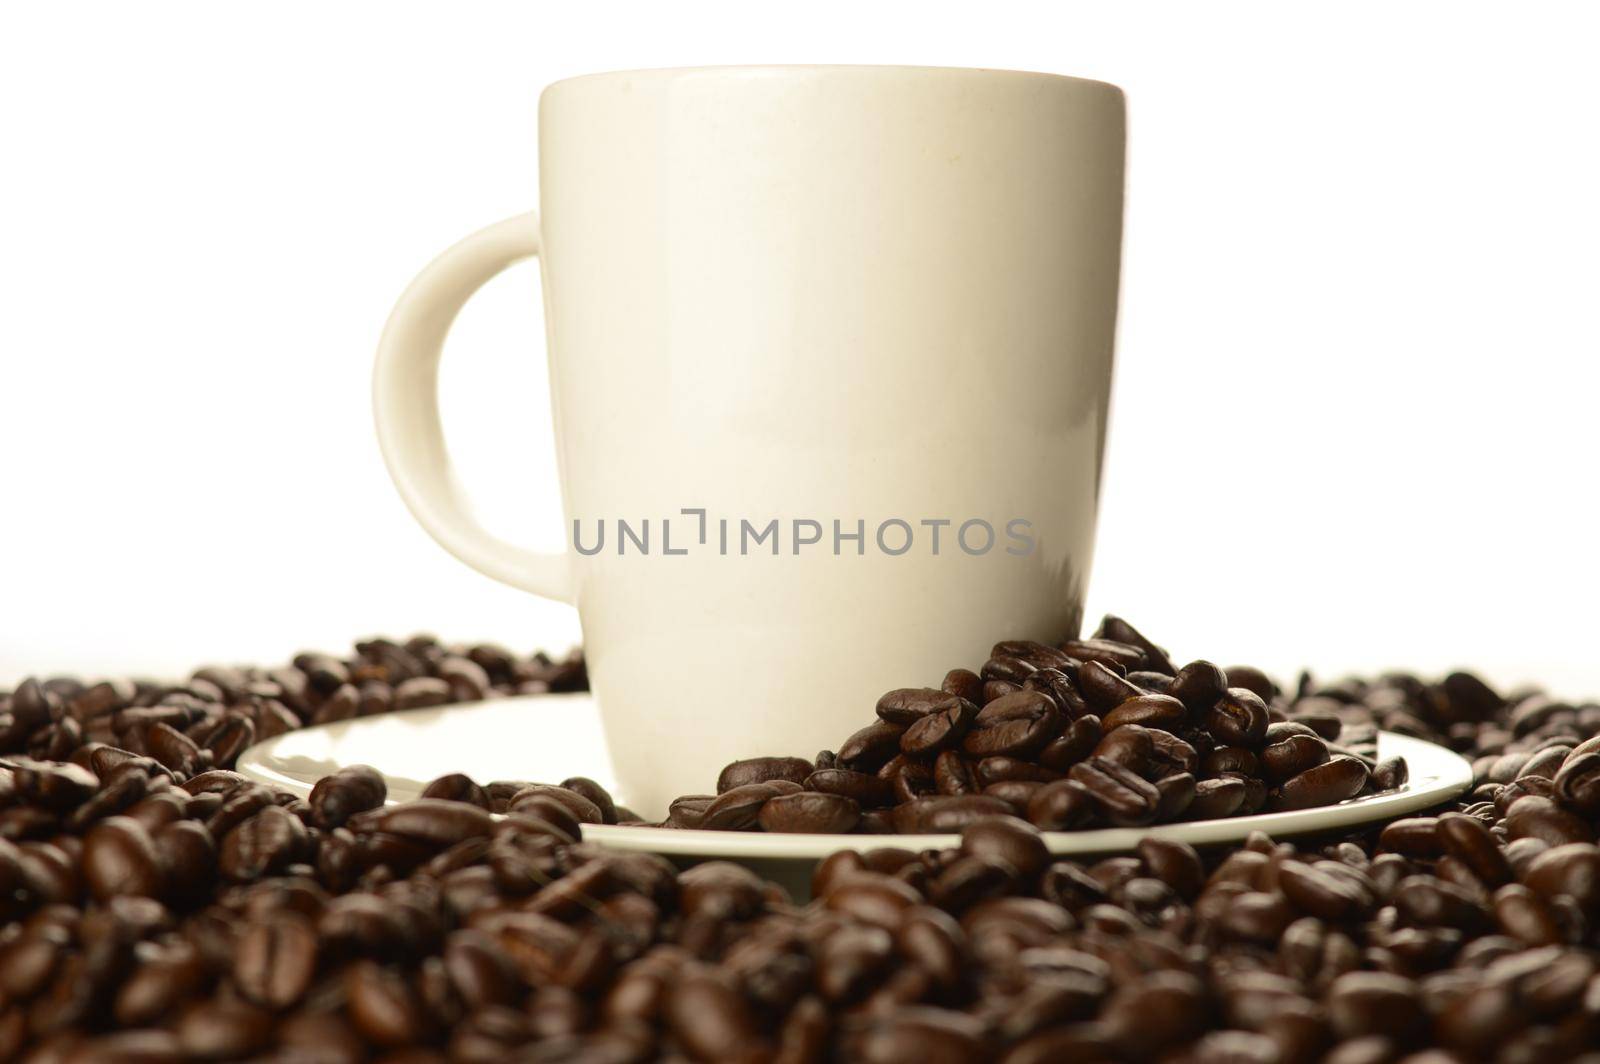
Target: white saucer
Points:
(549, 738)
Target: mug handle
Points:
(405, 401)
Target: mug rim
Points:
(777, 69)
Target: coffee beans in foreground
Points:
(157, 911)
(1098, 732)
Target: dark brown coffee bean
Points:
(1253, 680)
(1541, 818)
(763, 770)
(1061, 689)
(457, 787)
(435, 823)
(1064, 805)
(689, 811)
(1117, 630)
(1130, 746)
(709, 1016)
(1375, 1003)
(1177, 793)
(1006, 838)
(1150, 711)
(740, 808)
(268, 842)
(964, 684)
(52, 786)
(1230, 760)
(1077, 742)
(869, 748)
(1466, 839)
(953, 774)
(1122, 797)
(1332, 781)
(601, 798)
(535, 795)
(351, 790)
(1577, 784)
(276, 960)
(1015, 725)
(1199, 685)
(1238, 718)
(421, 692)
(120, 858)
(1014, 671)
(939, 730)
(382, 1006)
(1103, 688)
(1285, 756)
(1568, 871)
(1011, 769)
(1523, 915)
(809, 811)
(1216, 799)
(944, 813)
(864, 789)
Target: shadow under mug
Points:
(830, 353)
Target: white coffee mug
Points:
(830, 352)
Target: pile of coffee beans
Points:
(1098, 732)
(158, 907)
(208, 720)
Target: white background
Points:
(1354, 420)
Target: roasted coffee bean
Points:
(1577, 783)
(869, 748)
(434, 823)
(939, 730)
(1074, 744)
(1006, 838)
(809, 811)
(945, 813)
(963, 683)
(1117, 630)
(762, 770)
(535, 796)
(740, 808)
(1061, 689)
(269, 841)
(1011, 770)
(1230, 760)
(120, 858)
(1238, 718)
(1150, 711)
(1199, 685)
(1332, 781)
(953, 775)
(276, 959)
(601, 798)
(1540, 818)
(1253, 680)
(457, 787)
(1064, 805)
(1122, 797)
(1020, 723)
(351, 790)
(1286, 755)
(1103, 688)
(864, 789)
(1216, 799)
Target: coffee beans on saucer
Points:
(1098, 732)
